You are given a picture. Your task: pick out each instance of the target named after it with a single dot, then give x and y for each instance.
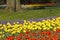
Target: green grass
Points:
(29, 14)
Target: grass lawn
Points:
(29, 14)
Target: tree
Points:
(13, 5)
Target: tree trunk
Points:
(18, 6)
(11, 5)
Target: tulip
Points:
(42, 38)
(50, 36)
(48, 32)
(24, 30)
(58, 30)
(55, 38)
(4, 39)
(10, 38)
(38, 39)
(27, 36)
(32, 33)
(17, 37)
(1, 33)
(22, 39)
(29, 39)
(22, 34)
(43, 32)
(27, 31)
(13, 32)
(33, 38)
(1, 28)
(38, 33)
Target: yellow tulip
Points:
(44, 28)
(28, 22)
(8, 26)
(20, 25)
(14, 23)
(17, 22)
(43, 20)
(14, 32)
(36, 27)
(9, 30)
(0, 25)
(29, 27)
(54, 29)
(24, 30)
(1, 32)
(25, 21)
(53, 19)
(18, 31)
(33, 28)
(8, 23)
(4, 25)
(43, 23)
(5, 30)
(39, 28)
(1, 28)
(14, 29)
(3, 36)
(58, 27)
(38, 23)
(0, 36)
(48, 28)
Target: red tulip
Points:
(18, 38)
(55, 38)
(58, 30)
(43, 32)
(33, 38)
(27, 31)
(45, 37)
(29, 39)
(48, 32)
(22, 39)
(32, 33)
(50, 36)
(42, 38)
(22, 34)
(4, 38)
(38, 39)
(55, 35)
(38, 33)
(10, 38)
(27, 36)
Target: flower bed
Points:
(32, 35)
(35, 30)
